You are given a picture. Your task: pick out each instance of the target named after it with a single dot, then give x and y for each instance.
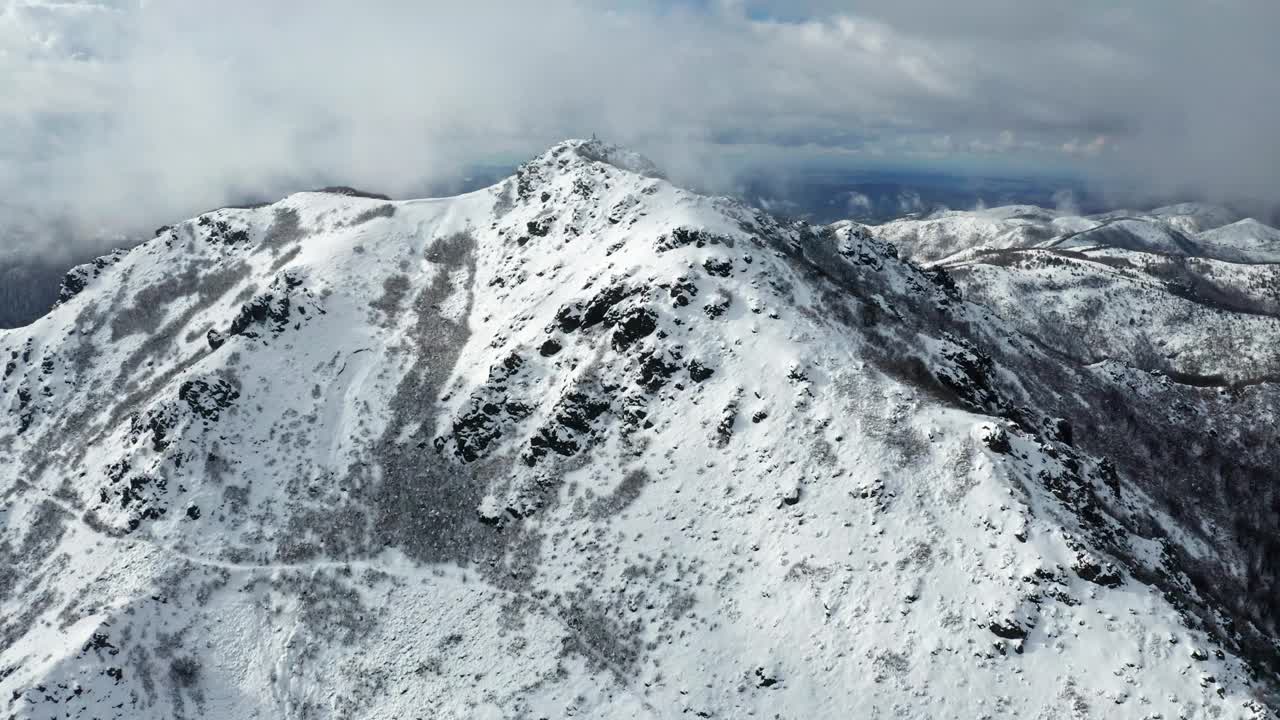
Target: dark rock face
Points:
(604, 301)
(474, 430)
(72, 283)
(1103, 574)
(656, 367)
(352, 192)
(218, 230)
(540, 228)
(1058, 429)
(717, 306)
(719, 267)
(996, 438)
(724, 429)
(699, 372)
(141, 496)
(940, 277)
(630, 322)
(79, 277)
(1108, 475)
(684, 237)
(969, 375)
(154, 424)
(25, 410)
(797, 374)
(17, 357)
(572, 418)
(489, 411)
(569, 318)
(859, 247)
(258, 311)
(682, 290)
(633, 325)
(208, 400)
(1007, 629)
(765, 679)
(271, 313)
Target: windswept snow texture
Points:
(586, 444)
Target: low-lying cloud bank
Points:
(122, 114)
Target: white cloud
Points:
(909, 201)
(128, 113)
(1092, 148)
(1065, 202)
(858, 203)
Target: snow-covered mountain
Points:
(1153, 290)
(1247, 241)
(1189, 229)
(586, 444)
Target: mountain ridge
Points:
(612, 433)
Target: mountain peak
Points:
(568, 153)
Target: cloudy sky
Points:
(122, 113)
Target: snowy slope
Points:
(1193, 218)
(1189, 218)
(1186, 229)
(1142, 309)
(1246, 241)
(946, 233)
(583, 444)
(1149, 289)
(1136, 234)
(1164, 328)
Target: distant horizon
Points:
(798, 188)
